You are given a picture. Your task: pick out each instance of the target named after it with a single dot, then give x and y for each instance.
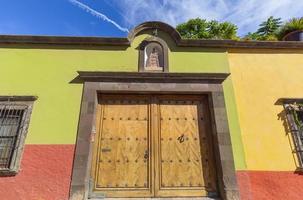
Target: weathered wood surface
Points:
(153, 146)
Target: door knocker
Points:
(181, 138)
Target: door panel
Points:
(184, 156)
(153, 145)
(123, 161)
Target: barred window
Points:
(294, 114)
(14, 120)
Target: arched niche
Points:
(153, 55)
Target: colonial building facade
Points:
(150, 116)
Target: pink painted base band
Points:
(46, 174)
(267, 185)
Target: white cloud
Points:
(98, 14)
(247, 14)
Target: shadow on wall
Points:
(282, 116)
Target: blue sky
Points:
(112, 17)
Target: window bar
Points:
(13, 133)
(300, 149)
(11, 123)
(10, 134)
(2, 129)
(22, 119)
(4, 139)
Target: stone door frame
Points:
(152, 83)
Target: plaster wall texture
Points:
(265, 163)
(45, 174)
(259, 79)
(47, 72)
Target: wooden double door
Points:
(153, 146)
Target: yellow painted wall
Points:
(260, 78)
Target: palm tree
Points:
(295, 24)
(269, 27)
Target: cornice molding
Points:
(98, 76)
(172, 32)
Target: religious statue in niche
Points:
(153, 57)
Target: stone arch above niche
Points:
(153, 55)
(155, 25)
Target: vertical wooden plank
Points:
(99, 115)
(155, 140)
(205, 126)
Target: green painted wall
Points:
(234, 125)
(47, 71)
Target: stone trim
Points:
(145, 77)
(62, 40)
(102, 82)
(151, 25)
(18, 98)
(282, 101)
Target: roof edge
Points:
(63, 40)
(171, 31)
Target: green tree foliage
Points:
(256, 36)
(251, 36)
(203, 29)
(272, 29)
(294, 24)
(267, 30)
(269, 27)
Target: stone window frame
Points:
(143, 44)
(96, 83)
(27, 103)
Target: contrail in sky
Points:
(97, 14)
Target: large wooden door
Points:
(153, 146)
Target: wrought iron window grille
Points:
(294, 114)
(14, 120)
